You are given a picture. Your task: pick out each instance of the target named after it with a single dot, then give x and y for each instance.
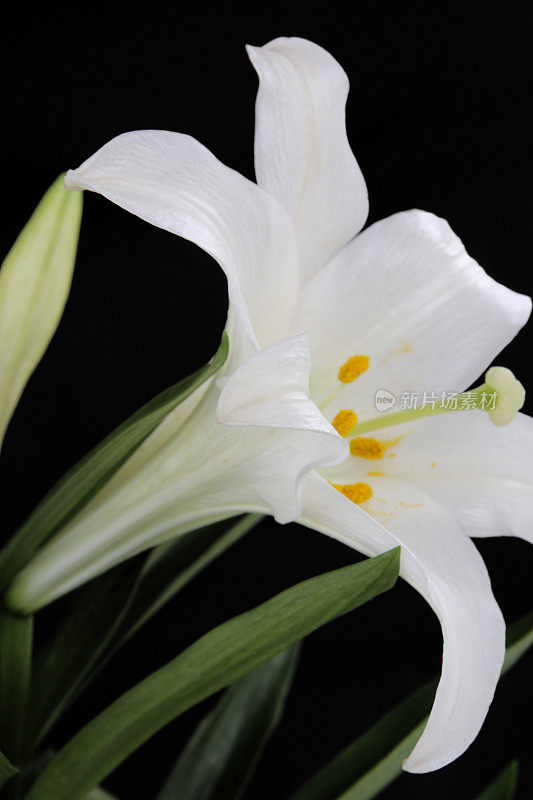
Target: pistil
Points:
(501, 396)
(476, 399)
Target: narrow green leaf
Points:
(7, 770)
(220, 758)
(504, 785)
(36, 766)
(171, 566)
(16, 636)
(34, 285)
(370, 763)
(214, 661)
(105, 613)
(374, 760)
(71, 655)
(82, 482)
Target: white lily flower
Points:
(399, 307)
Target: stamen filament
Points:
(331, 397)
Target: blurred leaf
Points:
(7, 770)
(106, 612)
(503, 787)
(220, 758)
(16, 637)
(171, 566)
(214, 661)
(519, 638)
(34, 285)
(99, 794)
(370, 763)
(83, 481)
(71, 655)
(34, 767)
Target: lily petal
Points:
(192, 471)
(445, 567)
(406, 293)
(482, 474)
(272, 390)
(174, 182)
(302, 155)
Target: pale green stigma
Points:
(510, 395)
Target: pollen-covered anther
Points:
(356, 492)
(352, 368)
(510, 395)
(367, 447)
(344, 421)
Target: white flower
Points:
(402, 306)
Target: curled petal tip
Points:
(413, 768)
(69, 181)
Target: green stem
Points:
(477, 399)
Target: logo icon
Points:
(384, 400)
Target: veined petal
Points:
(192, 471)
(272, 390)
(174, 182)
(302, 155)
(405, 293)
(445, 567)
(482, 474)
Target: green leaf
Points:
(34, 285)
(214, 661)
(7, 770)
(16, 636)
(70, 657)
(105, 613)
(34, 767)
(171, 566)
(503, 787)
(220, 758)
(370, 763)
(83, 481)
(374, 760)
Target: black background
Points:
(437, 117)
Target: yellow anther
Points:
(356, 492)
(368, 448)
(379, 474)
(344, 421)
(354, 367)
